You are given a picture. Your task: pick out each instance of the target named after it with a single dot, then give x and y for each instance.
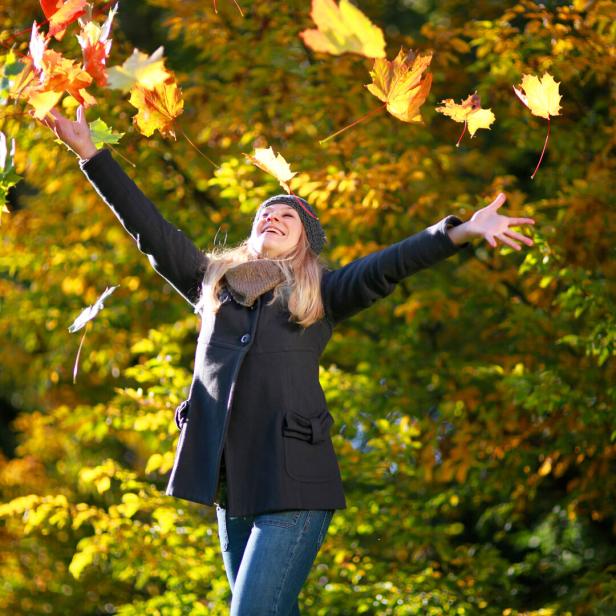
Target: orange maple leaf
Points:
(400, 84)
(62, 14)
(47, 74)
(96, 44)
(274, 164)
(157, 107)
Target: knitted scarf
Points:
(249, 280)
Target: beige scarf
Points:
(249, 280)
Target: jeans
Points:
(268, 557)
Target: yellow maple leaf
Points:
(139, 69)
(343, 29)
(275, 165)
(542, 98)
(468, 111)
(158, 107)
(540, 95)
(399, 83)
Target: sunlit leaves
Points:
(468, 111)
(274, 164)
(102, 134)
(542, 97)
(158, 107)
(401, 83)
(139, 69)
(343, 29)
(95, 43)
(61, 14)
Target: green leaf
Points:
(101, 133)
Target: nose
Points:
(271, 216)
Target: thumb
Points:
(81, 116)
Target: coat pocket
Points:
(181, 413)
(308, 450)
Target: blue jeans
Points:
(268, 557)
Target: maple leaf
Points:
(61, 14)
(101, 134)
(399, 83)
(468, 111)
(84, 317)
(47, 74)
(8, 175)
(541, 96)
(139, 69)
(343, 29)
(274, 164)
(157, 107)
(96, 44)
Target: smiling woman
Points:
(255, 428)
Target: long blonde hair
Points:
(300, 291)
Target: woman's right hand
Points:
(76, 135)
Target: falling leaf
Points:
(101, 133)
(541, 96)
(61, 14)
(468, 111)
(275, 165)
(96, 44)
(87, 314)
(8, 175)
(47, 74)
(343, 29)
(157, 107)
(399, 84)
(84, 318)
(139, 69)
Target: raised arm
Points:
(359, 284)
(172, 254)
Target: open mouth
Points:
(273, 231)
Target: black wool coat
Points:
(255, 397)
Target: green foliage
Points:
(474, 407)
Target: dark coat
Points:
(255, 397)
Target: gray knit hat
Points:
(314, 230)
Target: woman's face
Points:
(276, 231)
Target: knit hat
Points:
(312, 226)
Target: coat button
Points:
(245, 339)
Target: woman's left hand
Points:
(487, 223)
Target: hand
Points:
(492, 226)
(76, 135)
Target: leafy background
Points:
(474, 407)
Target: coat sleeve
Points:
(359, 284)
(172, 254)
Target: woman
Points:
(255, 429)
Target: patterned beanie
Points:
(312, 226)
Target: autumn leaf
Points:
(47, 74)
(96, 44)
(101, 133)
(343, 29)
(541, 96)
(399, 84)
(157, 107)
(8, 175)
(84, 317)
(468, 111)
(274, 164)
(61, 14)
(139, 69)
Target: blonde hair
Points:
(300, 292)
